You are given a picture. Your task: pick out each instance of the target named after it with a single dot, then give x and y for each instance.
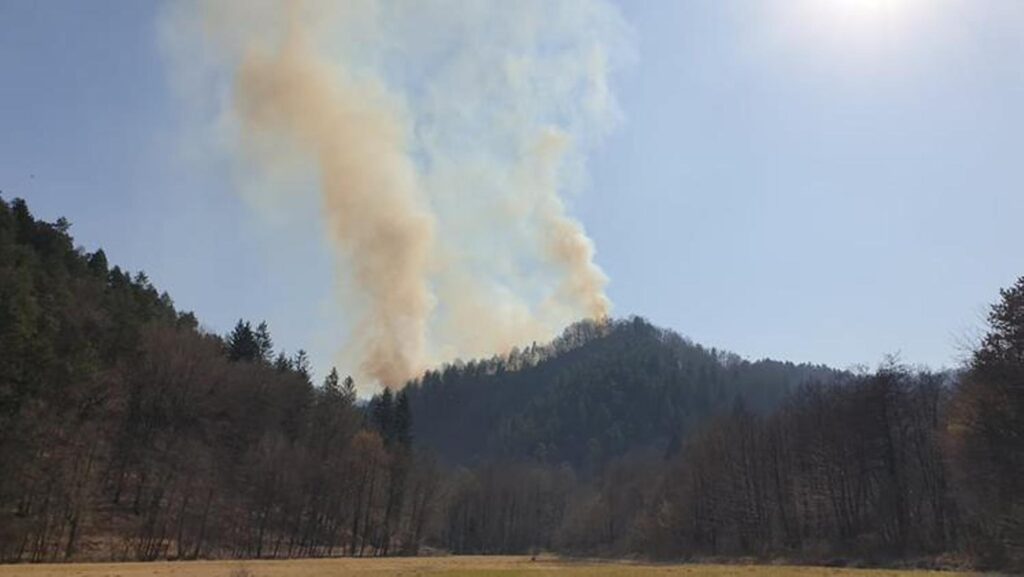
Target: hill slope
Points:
(598, 391)
(128, 433)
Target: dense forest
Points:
(128, 432)
(598, 391)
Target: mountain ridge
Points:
(601, 389)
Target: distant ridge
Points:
(599, 390)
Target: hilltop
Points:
(598, 391)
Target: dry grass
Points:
(441, 566)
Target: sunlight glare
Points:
(868, 12)
(855, 29)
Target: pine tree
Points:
(383, 415)
(264, 344)
(331, 383)
(402, 421)
(98, 263)
(300, 364)
(986, 424)
(242, 344)
(348, 390)
(282, 363)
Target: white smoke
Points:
(441, 136)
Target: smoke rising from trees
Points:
(442, 138)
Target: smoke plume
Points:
(442, 136)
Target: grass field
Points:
(441, 566)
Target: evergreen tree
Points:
(242, 344)
(264, 344)
(98, 263)
(300, 364)
(282, 363)
(188, 320)
(383, 415)
(331, 383)
(348, 390)
(987, 429)
(402, 421)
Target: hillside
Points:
(127, 432)
(596, 392)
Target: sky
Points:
(824, 181)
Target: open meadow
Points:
(462, 566)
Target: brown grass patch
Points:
(492, 566)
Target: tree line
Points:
(877, 468)
(599, 390)
(128, 432)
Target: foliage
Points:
(595, 393)
(126, 432)
(986, 434)
(119, 417)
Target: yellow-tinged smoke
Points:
(441, 134)
(370, 195)
(567, 244)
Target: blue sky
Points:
(828, 183)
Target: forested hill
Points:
(596, 392)
(128, 433)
